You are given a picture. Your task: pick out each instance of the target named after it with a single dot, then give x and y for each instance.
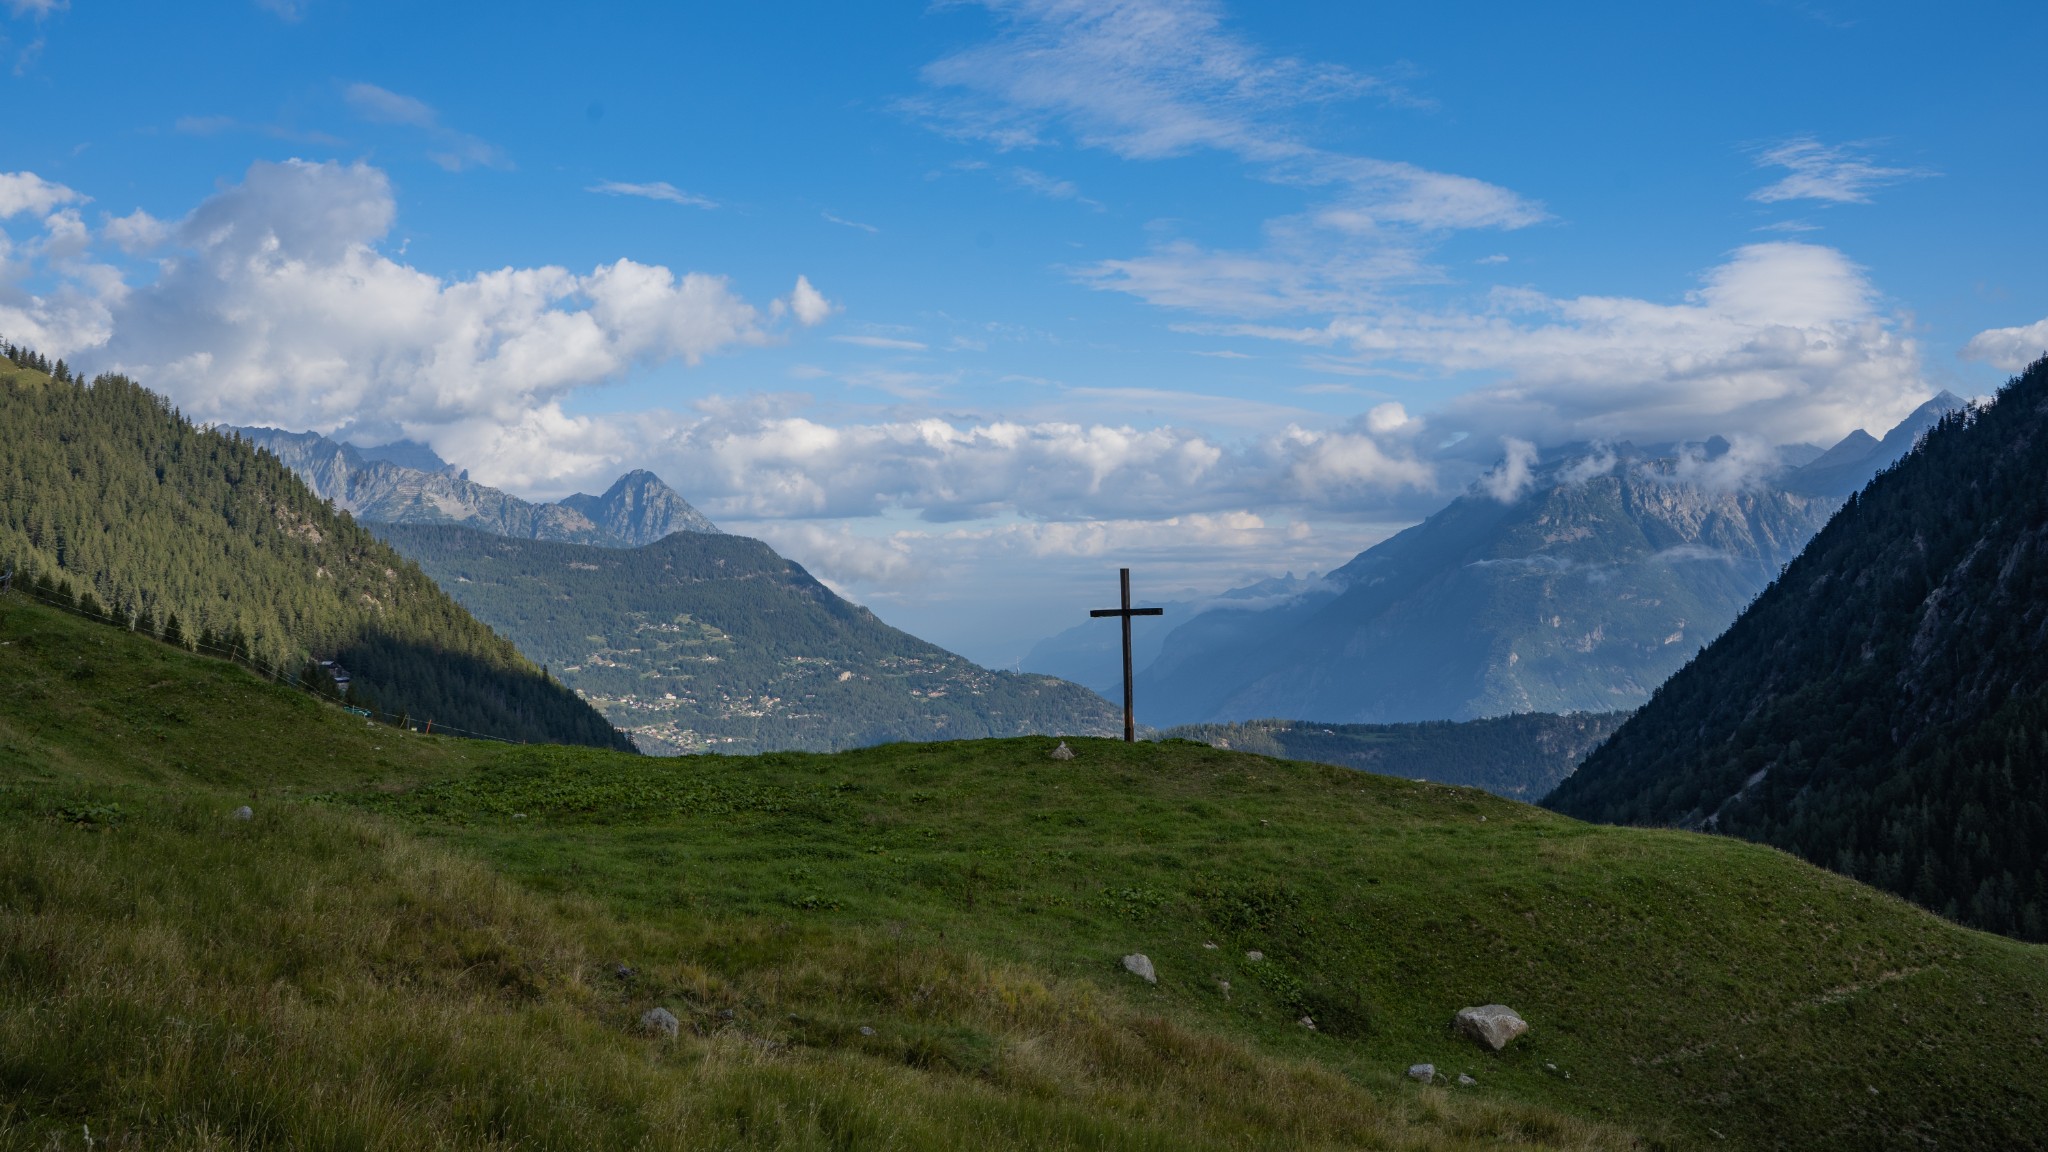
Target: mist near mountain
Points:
(1880, 709)
(1573, 582)
(407, 483)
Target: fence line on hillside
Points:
(256, 667)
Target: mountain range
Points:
(1579, 590)
(712, 642)
(690, 639)
(1882, 709)
(406, 483)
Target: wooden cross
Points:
(1130, 717)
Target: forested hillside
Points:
(1882, 709)
(1521, 757)
(708, 642)
(108, 496)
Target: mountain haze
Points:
(1882, 709)
(1580, 591)
(376, 485)
(711, 642)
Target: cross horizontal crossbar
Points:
(1127, 612)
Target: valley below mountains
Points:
(713, 643)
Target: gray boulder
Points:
(1465, 1081)
(1493, 1025)
(1063, 752)
(660, 1021)
(244, 813)
(1140, 965)
(1422, 1072)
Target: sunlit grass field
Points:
(422, 942)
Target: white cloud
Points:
(1746, 463)
(1050, 187)
(1513, 475)
(809, 305)
(456, 150)
(37, 8)
(1834, 173)
(276, 307)
(136, 232)
(27, 192)
(868, 228)
(1149, 79)
(659, 190)
(884, 342)
(2009, 349)
(1783, 340)
(1145, 79)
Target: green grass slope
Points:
(416, 941)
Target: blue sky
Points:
(1216, 291)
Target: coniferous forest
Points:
(1882, 709)
(114, 503)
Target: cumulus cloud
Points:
(658, 190)
(809, 304)
(136, 232)
(27, 192)
(275, 306)
(37, 8)
(452, 150)
(2009, 349)
(1783, 340)
(1833, 173)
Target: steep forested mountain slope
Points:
(1521, 757)
(712, 642)
(1883, 708)
(106, 493)
(376, 485)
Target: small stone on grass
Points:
(660, 1021)
(1140, 965)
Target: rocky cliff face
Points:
(639, 509)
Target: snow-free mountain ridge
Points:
(388, 484)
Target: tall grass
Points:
(171, 977)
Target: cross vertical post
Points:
(1126, 612)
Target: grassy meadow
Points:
(426, 942)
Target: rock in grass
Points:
(1140, 965)
(1422, 1072)
(244, 813)
(1255, 956)
(1493, 1025)
(866, 1031)
(660, 1021)
(1465, 1081)
(1063, 752)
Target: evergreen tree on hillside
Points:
(109, 496)
(1882, 709)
